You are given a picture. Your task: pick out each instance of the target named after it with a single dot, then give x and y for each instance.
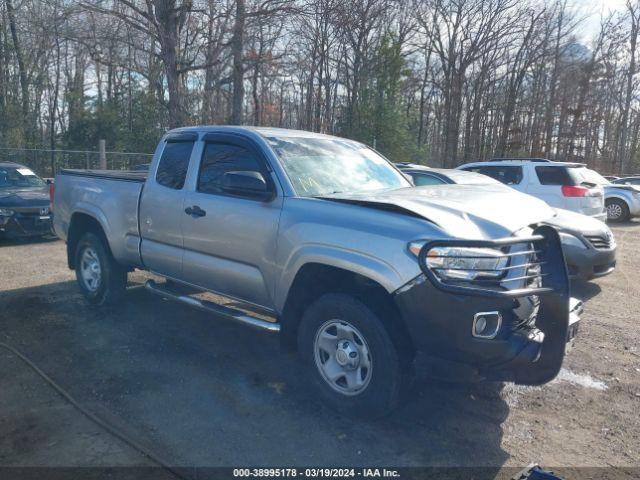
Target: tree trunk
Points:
(237, 48)
(22, 72)
(166, 14)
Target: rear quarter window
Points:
(174, 162)
(554, 176)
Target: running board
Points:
(211, 307)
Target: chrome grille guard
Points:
(553, 291)
(543, 267)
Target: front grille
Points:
(600, 242)
(31, 211)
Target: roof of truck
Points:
(11, 164)
(262, 131)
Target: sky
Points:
(594, 9)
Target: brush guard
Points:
(543, 274)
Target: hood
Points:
(24, 197)
(463, 211)
(573, 222)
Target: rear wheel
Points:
(354, 362)
(102, 280)
(617, 210)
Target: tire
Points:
(109, 278)
(365, 385)
(617, 210)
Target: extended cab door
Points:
(230, 236)
(161, 210)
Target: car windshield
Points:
(19, 177)
(322, 166)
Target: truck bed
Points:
(127, 175)
(109, 196)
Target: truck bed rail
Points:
(124, 175)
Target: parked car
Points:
(25, 207)
(627, 181)
(622, 198)
(359, 271)
(589, 245)
(611, 178)
(560, 184)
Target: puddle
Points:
(581, 380)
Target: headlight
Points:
(463, 263)
(569, 240)
(5, 212)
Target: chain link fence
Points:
(46, 163)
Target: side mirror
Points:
(246, 183)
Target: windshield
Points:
(322, 166)
(19, 177)
(584, 175)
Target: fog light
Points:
(486, 324)
(481, 323)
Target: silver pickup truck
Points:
(324, 241)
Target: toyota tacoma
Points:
(323, 241)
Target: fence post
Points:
(103, 155)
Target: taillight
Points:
(52, 191)
(574, 191)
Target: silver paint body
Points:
(252, 250)
(630, 194)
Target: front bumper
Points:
(21, 225)
(530, 344)
(588, 263)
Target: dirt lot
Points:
(204, 392)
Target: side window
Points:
(507, 174)
(172, 169)
(553, 176)
(421, 180)
(220, 158)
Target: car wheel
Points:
(617, 210)
(102, 280)
(355, 364)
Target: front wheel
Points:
(354, 362)
(102, 280)
(617, 210)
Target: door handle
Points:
(195, 211)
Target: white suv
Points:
(560, 184)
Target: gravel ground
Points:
(205, 392)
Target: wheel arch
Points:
(313, 280)
(617, 196)
(81, 223)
